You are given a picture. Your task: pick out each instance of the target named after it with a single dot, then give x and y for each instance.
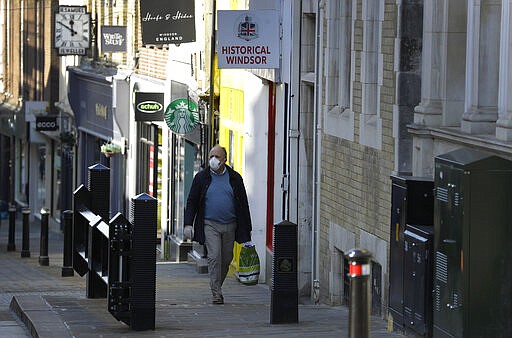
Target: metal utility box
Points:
(418, 268)
(472, 294)
(412, 202)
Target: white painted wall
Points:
(255, 171)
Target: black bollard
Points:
(143, 216)
(67, 264)
(25, 241)
(359, 299)
(43, 246)
(11, 246)
(284, 302)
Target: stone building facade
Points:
(358, 139)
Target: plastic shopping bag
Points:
(249, 265)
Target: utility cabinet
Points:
(472, 295)
(412, 202)
(418, 270)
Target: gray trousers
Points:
(219, 240)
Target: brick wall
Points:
(153, 61)
(12, 65)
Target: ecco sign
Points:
(46, 123)
(149, 106)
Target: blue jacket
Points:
(194, 212)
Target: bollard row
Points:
(25, 240)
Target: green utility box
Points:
(472, 289)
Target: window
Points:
(339, 69)
(370, 123)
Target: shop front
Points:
(185, 120)
(166, 159)
(7, 156)
(39, 163)
(100, 107)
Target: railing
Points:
(118, 256)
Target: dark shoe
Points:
(218, 300)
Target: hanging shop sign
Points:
(248, 39)
(167, 22)
(182, 116)
(113, 39)
(33, 109)
(46, 123)
(149, 106)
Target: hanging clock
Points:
(72, 30)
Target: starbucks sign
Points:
(181, 116)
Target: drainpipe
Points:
(212, 79)
(94, 35)
(317, 143)
(38, 94)
(271, 161)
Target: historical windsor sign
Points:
(248, 39)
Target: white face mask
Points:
(214, 163)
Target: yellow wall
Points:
(231, 119)
(231, 125)
(231, 129)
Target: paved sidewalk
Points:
(55, 306)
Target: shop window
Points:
(41, 178)
(56, 189)
(21, 173)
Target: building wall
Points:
(465, 83)
(355, 168)
(40, 59)
(153, 61)
(11, 56)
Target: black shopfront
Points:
(91, 97)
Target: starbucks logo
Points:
(181, 116)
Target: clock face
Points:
(72, 30)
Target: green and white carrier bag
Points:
(249, 265)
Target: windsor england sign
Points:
(167, 22)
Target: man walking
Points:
(217, 208)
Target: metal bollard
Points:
(284, 301)
(25, 241)
(43, 246)
(11, 246)
(359, 299)
(67, 264)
